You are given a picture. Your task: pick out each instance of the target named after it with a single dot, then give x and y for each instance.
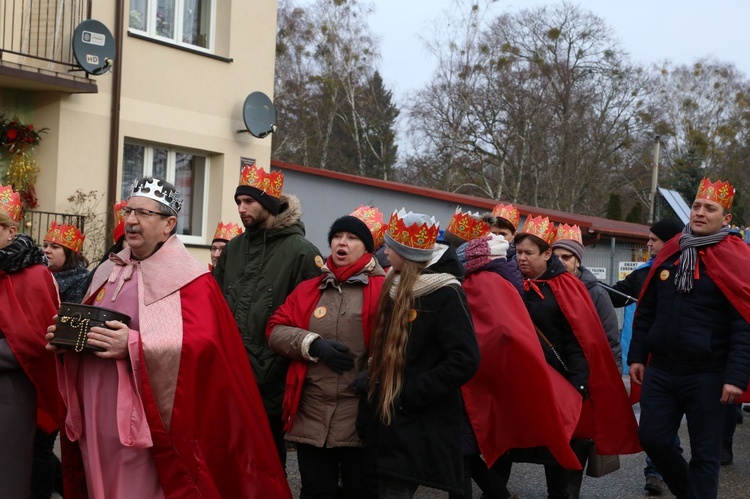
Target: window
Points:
(183, 22)
(188, 171)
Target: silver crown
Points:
(158, 190)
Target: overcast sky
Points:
(649, 30)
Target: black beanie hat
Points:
(270, 203)
(666, 228)
(354, 225)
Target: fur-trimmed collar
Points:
(289, 214)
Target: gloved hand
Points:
(360, 383)
(333, 353)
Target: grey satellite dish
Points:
(93, 47)
(259, 115)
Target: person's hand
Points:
(636, 373)
(50, 335)
(360, 383)
(333, 354)
(113, 339)
(730, 393)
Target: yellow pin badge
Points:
(664, 275)
(412, 315)
(319, 261)
(100, 294)
(320, 312)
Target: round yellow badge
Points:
(100, 294)
(319, 261)
(664, 275)
(412, 315)
(320, 312)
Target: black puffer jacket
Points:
(547, 316)
(631, 286)
(689, 333)
(423, 442)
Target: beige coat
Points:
(328, 408)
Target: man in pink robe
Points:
(170, 407)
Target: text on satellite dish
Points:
(94, 38)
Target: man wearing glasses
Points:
(168, 408)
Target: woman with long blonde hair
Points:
(423, 350)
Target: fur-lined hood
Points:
(289, 213)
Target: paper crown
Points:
(719, 192)
(227, 231)
(373, 219)
(65, 235)
(417, 236)
(10, 202)
(156, 189)
(540, 227)
(119, 230)
(468, 226)
(569, 232)
(270, 183)
(508, 212)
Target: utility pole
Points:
(654, 181)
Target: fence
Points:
(41, 29)
(36, 223)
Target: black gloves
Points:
(360, 383)
(333, 353)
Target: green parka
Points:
(256, 272)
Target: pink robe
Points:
(117, 459)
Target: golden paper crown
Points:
(119, 216)
(417, 236)
(65, 235)
(468, 226)
(227, 231)
(508, 212)
(373, 219)
(270, 183)
(540, 227)
(10, 202)
(570, 232)
(719, 192)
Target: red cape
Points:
(29, 302)
(508, 399)
(607, 415)
(721, 266)
(219, 443)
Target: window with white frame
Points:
(187, 170)
(183, 22)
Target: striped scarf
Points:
(688, 244)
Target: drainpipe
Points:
(114, 128)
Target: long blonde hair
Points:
(389, 337)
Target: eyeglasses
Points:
(140, 212)
(565, 258)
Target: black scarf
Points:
(688, 244)
(19, 254)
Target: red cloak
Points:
(219, 443)
(508, 399)
(29, 302)
(720, 261)
(607, 416)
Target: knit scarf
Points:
(426, 284)
(19, 254)
(688, 243)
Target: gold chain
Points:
(76, 322)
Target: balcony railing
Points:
(40, 29)
(36, 223)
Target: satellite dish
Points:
(93, 47)
(259, 115)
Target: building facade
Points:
(171, 104)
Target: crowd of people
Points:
(410, 356)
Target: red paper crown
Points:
(570, 232)
(718, 192)
(467, 226)
(227, 231)
(270, 183)
(119, 230)
(414, 236)
(10, 202)
(508, 212)
(65, 235)
(540, 227)
(373, 219)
